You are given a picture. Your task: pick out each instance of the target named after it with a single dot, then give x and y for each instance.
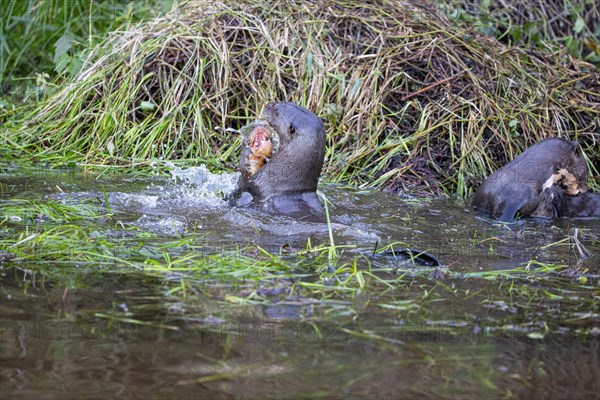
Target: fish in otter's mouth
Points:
(259, 144)
(261, 149)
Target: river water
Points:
(510, 311)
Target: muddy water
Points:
(71, 329)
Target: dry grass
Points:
(411, 102)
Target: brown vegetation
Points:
(411, 101)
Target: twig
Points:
(432, 86)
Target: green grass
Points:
(42, 38)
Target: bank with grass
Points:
(412, 101)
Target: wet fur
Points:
(287, 184)
(525, 186)
(582, 205)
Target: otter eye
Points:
(292, 129)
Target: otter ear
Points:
(576, 148)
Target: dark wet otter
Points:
(526, 186)
(582, 205)
(287, 184)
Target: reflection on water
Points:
(103, 332)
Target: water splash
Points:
(205, 182)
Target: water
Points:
(77, 325)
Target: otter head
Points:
(566, 181)
(296, 166)
(573, 171)
(282, 177)
(292, 122)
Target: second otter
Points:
(583, 205)
(523, 186)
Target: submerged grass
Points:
(70, 244)
(411, 102)
(53, 232)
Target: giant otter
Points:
(527, 186)
(287, 183)
(583, 205)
